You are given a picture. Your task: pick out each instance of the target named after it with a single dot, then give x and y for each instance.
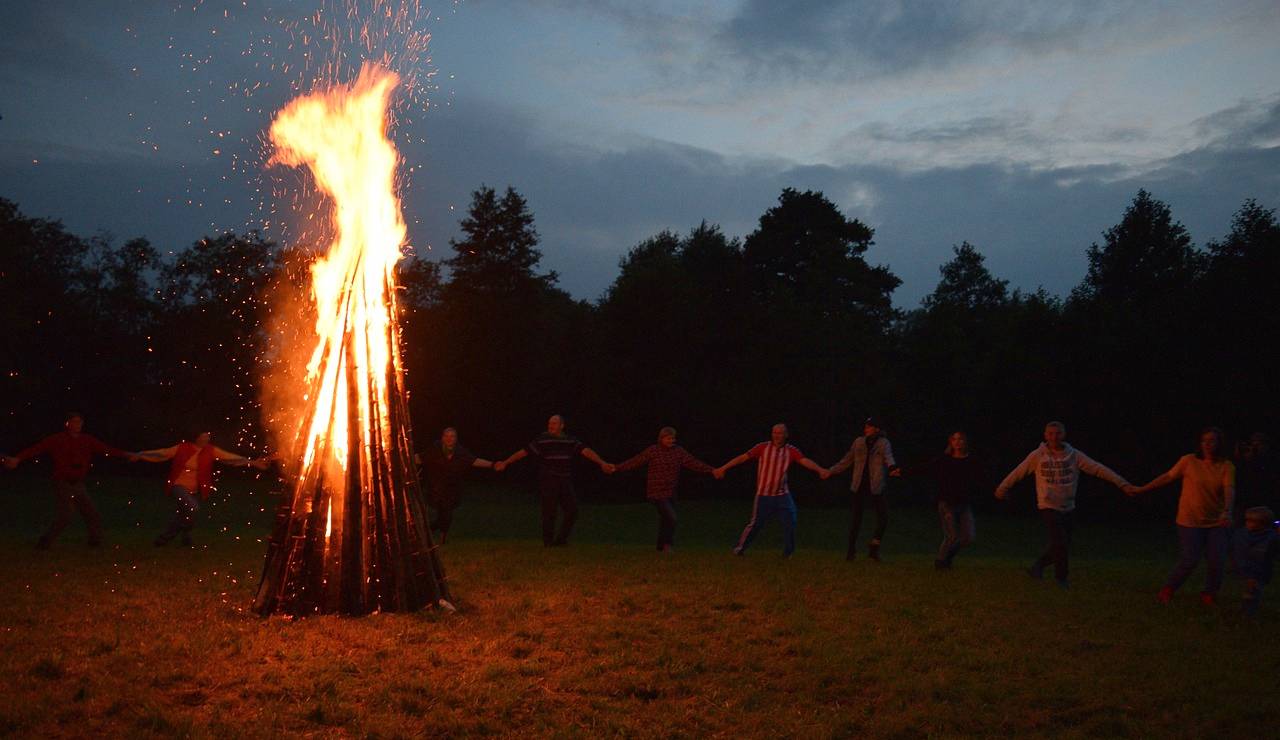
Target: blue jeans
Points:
(184, 516)
(666, 521)
(766, 507)
(957, 529)
(1194, 543)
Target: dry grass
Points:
(609, 638)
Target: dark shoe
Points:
(739, 551)
(43, 543)
(1165, 595)
(1036, 571)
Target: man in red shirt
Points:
(773, 496)
(72, 453)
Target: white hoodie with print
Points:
(1057, 475)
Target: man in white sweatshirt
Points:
(1057, 467)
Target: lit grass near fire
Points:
(607, 637)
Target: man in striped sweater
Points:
(665, 460)
(556, 453)
(773, 497)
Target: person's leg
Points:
(753, 525)
(444, 518)
(947, 516)
(966, 529)
(859, 504)
(787, 515)
(568, 505)
(185, 505)
(1052, 533)
(63, 509)
(1191, 541)
(1215, 552)
(92, 519)
(550, 497)
(882, 522)
(1067, 526)
(666, 523)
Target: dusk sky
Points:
(1024, 128)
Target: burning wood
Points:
(354, 537)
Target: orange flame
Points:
(341, 135)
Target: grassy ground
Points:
(609, 638)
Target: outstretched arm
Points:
(1098, 470)
(735, 462)
(844, 462)
(480, 462)
(237, 460)
(1161, 480)
(1025, 468)
(591, 455)
(514, 457)
(822, 472)
(160, 455)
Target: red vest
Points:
(204, 468)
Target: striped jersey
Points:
(771, 467)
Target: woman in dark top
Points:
(959, 478)
(446, 464)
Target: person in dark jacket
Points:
(959, 477)
(665, 460)
(446, 464)
(72, 453)
(871, 456)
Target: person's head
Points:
(449, 437)
(203, 439)
(74, 422)
(958, 444)
(1055, 433)
(1210, 443)
(778, 435)
(872, 427)
(1259, 518)
(667, 436)
(1260, 444)
(555, 425)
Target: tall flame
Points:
(353, 538)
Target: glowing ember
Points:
(354, 538)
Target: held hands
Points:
(133, 457)
(1132, 490)
(895, 473)
(261, 463)
(718, 473)
(10, 463)
(608, 468)
(824, 473)
(1002, 495)
(499, 466)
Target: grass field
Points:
(609, 638)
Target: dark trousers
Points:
(882, 517)
(69, 498)
(1058, 526)
(957, 529)
(443, 507)
(1194, 543)
(186, 504)
(666, 521)
(557, 493)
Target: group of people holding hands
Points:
(1206, 529)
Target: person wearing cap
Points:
(664, 461)
(1256, 547)
(1057, 466)
(556, 453)
(190, 480)
(1207, 494)
(871, 456)
(72, 452)
(773, 495)
(446, 464)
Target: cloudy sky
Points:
(1022, 127)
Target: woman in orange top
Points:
(1204, 514)
(191, 479)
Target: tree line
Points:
(717, 336)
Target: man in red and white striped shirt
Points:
(773, 497)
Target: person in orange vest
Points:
(191, 479)
(71, 451)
